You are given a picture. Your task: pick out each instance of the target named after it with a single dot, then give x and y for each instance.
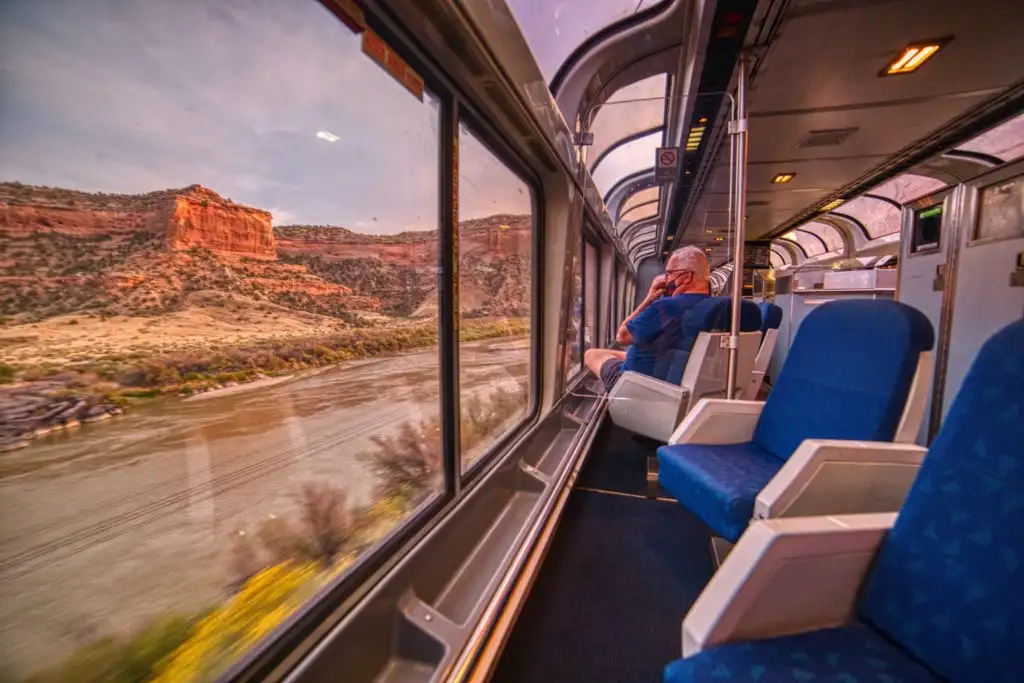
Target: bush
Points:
(122, 660)
(7, 373)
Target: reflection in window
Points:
(907, 187)
(590, 283)
(629, 158)
(554, 28)
(1005, 141)
(638, 198)
(828, 233)
(879, 218)
(209, 247)
(635, 108)
(495, 274)
(1001, 211)
(573, 358)
(810, 245)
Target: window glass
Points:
(638, 213)
(829, 233)
(906, 187)
(1001, 210)
(640, 232)
(780, 257)
(591, 283)
(1005, 141)
(573, 358)
(638, 107)
(810, 245)
(879, 218)
(554, 28)
(629, 158)
(495, 274)
(637, 198)
(219, 375)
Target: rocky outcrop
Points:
(177, 219)
(201, 218)
(39, 408)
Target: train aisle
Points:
(620, 576)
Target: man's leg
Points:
(593, 359)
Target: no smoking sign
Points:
(666, 164)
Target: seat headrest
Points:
(771, 316)
(847, 375)
(949, 580)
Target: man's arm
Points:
(623, 335)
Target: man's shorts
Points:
(611, 369)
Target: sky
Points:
(130, 96)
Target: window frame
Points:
(297, 635)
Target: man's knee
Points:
(595, 358)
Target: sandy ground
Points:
(81, 338)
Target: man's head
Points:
(688, 271)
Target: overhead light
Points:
(834, 204)
(791, 235)
(719, 239)
(781, 178)
(708, 231)
(669, 238)
(702, 119)
(694, 138)
(913, 56)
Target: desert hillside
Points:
(65, 252)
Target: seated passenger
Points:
(655, 327)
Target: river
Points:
(131, 518)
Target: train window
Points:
(633, 109)
(811, 245)
(1005, 141)
(573, 358)
(555, 29)
(927, 230)
(1001, 211)
(626, 159)
(906, 187)
(829, 234)
(591, 284)
(879, 218)
(219, 368)
(640, 197)
(495, 276)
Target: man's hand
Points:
(657, 287)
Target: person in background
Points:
(655, 327)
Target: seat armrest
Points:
(786, 576)
(828, 477)
(719, 421)
(645, 405)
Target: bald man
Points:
(654, 328)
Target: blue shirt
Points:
(657, 331)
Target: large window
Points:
(591, 284)
(573, 341)
(219, 364)
(495, 276)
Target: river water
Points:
(132, 518)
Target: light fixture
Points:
(913, 56)
(708, 231)
(694, 138)
(791, 235)
(702, 119)
(669, 238)
(719, 239)
(781, 178)
(834, 204)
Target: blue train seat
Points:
(847, 376)
(936, 593)
(771, 316)
(712, 315)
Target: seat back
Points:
(948, 583)
(764, 357)
(707, 369)
(847, 375)
(712, 315)
(771, 317)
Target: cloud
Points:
(268, 102)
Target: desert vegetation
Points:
(282, 562)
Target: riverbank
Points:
(42, 399)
